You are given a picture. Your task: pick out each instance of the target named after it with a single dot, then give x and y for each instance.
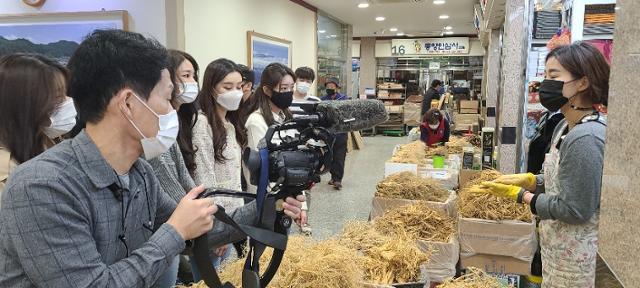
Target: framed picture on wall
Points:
(55, 35)
(263, 50)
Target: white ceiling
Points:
(413, 17)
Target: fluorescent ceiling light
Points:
(321, 31)
(399, 34)
(448, 27)
(393, 29)
(444, 17)
(448, 32)
(334, 35)
(380, 18)
(363, 5)
(438, 2)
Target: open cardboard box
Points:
(497, 264)
(511, 239)
(379, 205)
(444, 258)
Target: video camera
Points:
(292, 157)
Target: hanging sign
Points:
(434, 65)
(430, 46)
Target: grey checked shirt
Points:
(59, 223)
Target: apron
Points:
(568, 251)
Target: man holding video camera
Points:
(88, 212)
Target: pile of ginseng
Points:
(307, 263)
(489, 207)
(417, 221)
(474, 278)
(406, 185)
(456, 144)
(412, 153)
(386, 258)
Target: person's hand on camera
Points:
(293, 207)
(193, 217)
(220, 251)
(303, 218)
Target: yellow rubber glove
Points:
(497, 189)
(524, 180)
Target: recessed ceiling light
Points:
(393, 29)
(444, 17)
(448, 27)
(438, 2)
(399, 34)
(448, 32)
(380, 18)
(363, 5)
(321, 31)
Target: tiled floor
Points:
(364, 169)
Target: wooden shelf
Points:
(391, 88)
(383, 98)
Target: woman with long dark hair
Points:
(34, 108)
(566, 198)
(170, 167)
(219, 136)
(268, 105)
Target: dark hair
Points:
(432, 116)
(271, 77)
(187, 111)
(583, 60)
(106, 62)
(30, 91)
(305, 73)
(214, 74)
(435, 83)
(247, 74)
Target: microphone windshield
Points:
(353, 115)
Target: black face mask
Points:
(551, 94)
(331, 92)
(282, 100)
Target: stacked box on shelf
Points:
(383, 93)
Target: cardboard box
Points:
(393, 168)
(497, 264)
(474, 127)
(412, 114)
(466, 118)
(394, 108)
(468, 111)
(444, 258)
(379, 205)
(395, 95)
(509, 238)
(469, 104)
(466, 175)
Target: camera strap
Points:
(260, 238)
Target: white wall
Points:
(146, 17)
(383, 49)
(355, 49)
(215, 29)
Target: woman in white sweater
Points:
(219, 137)
(267, 106)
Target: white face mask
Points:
(168, 131)
(303, 87)
(435, 126)
(188, 93)
(62, 120)
(230, 100)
